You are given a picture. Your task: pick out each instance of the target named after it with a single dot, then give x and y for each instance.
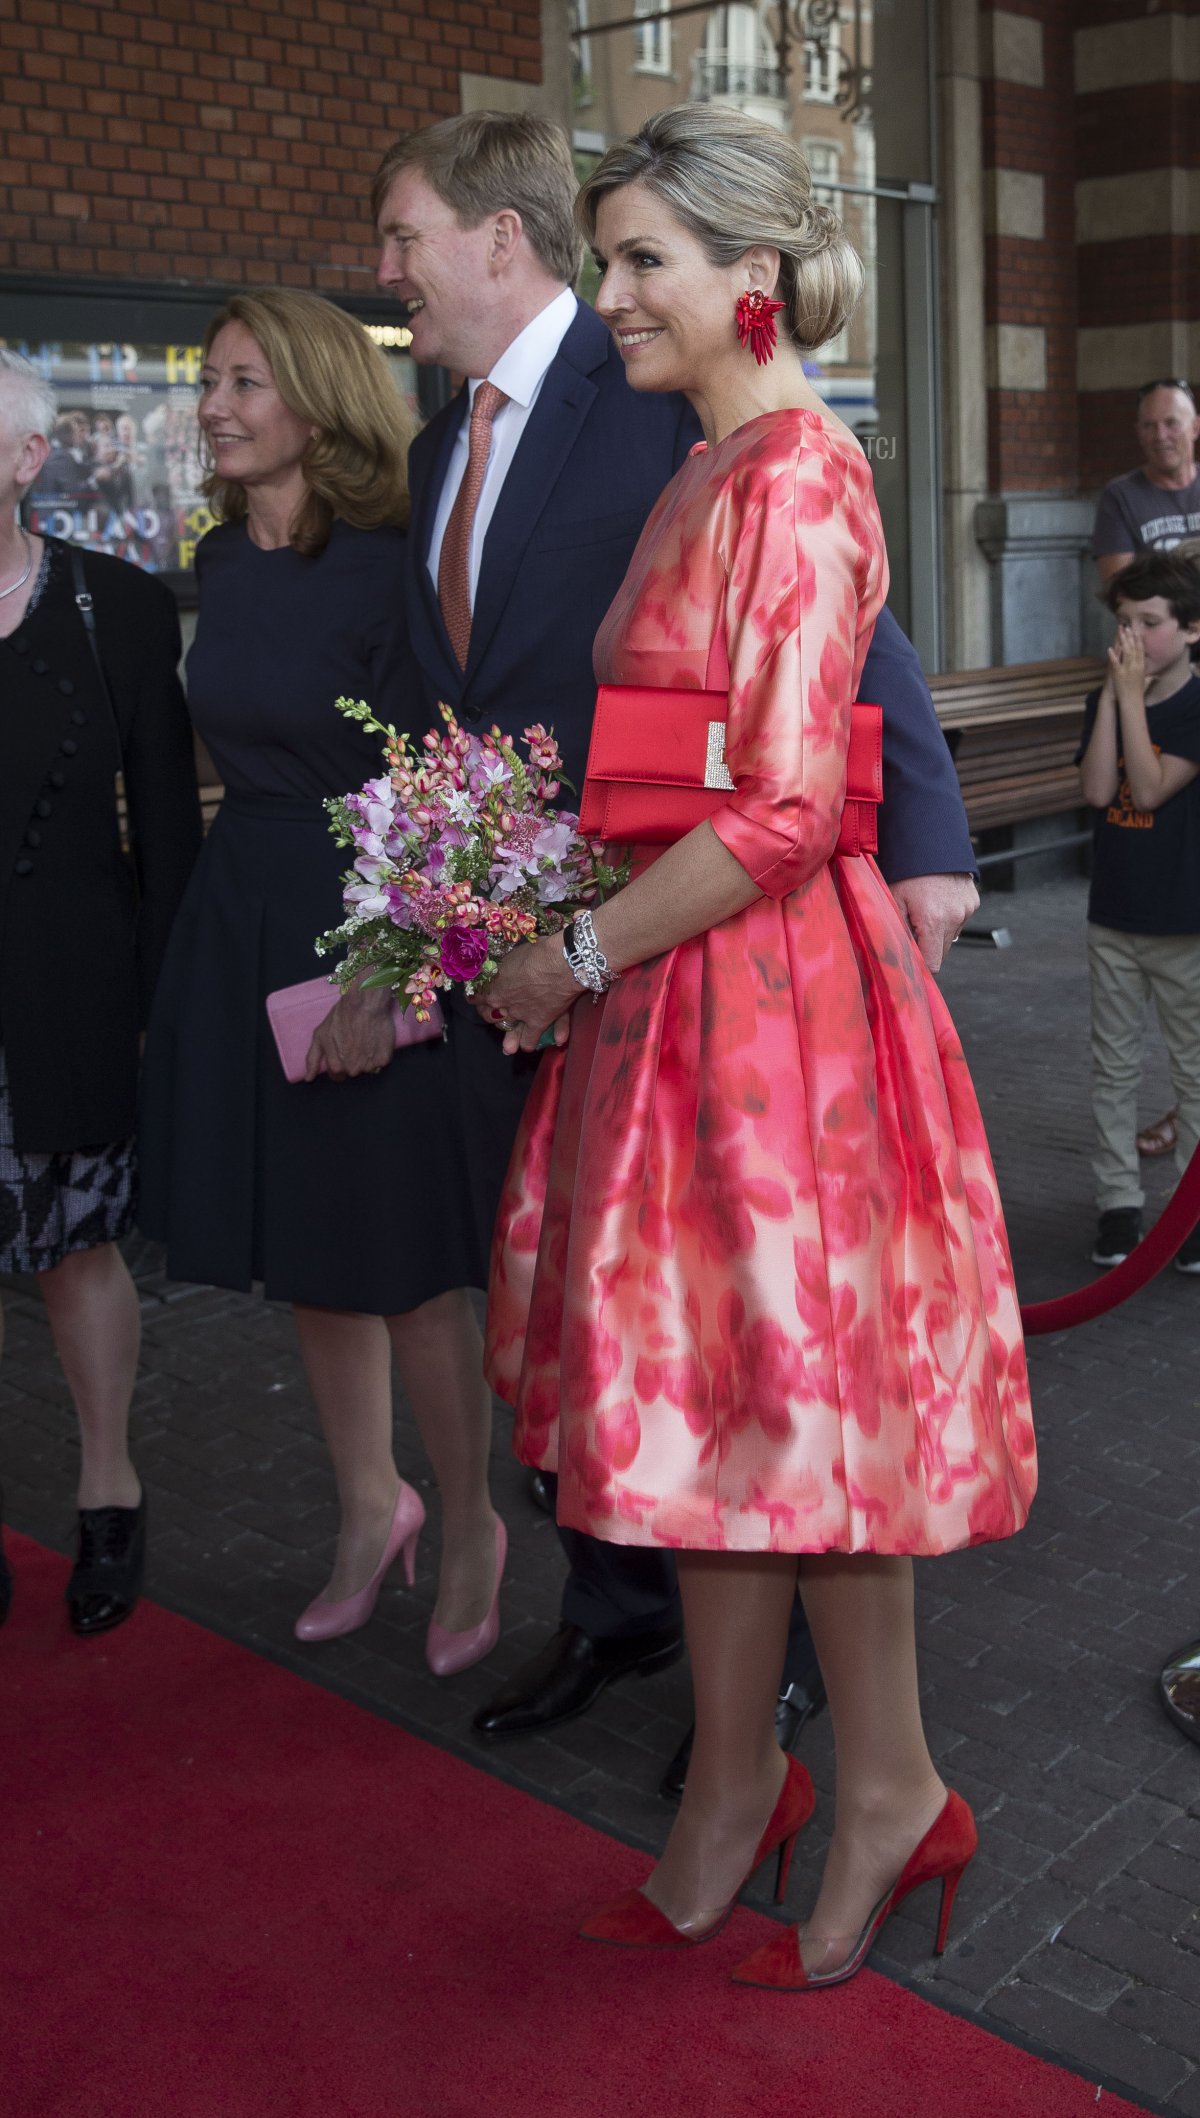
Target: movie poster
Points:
(124, 474)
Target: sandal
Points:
(1159, 1138)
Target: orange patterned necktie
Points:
(454, 575)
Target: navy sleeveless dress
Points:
(371, 1195)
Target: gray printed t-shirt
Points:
(1135, 515)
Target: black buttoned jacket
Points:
(83, 924)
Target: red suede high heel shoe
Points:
(943, 1855)
(633, 1922)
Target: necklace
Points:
(21, 579)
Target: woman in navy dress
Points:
(348, 1195)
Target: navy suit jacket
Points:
(593, 459)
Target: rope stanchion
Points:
(1156, 1249)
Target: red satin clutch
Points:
(656, 768)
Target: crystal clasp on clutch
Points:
(716, 771)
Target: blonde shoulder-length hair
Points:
(328, 372)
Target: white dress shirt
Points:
(520, 372)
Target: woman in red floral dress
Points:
(751, 1290)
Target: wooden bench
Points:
(1013, 734)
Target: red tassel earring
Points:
(756, 313)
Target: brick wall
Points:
(1090, 118)
(195, 140)
(1137, 127)
(1028, 153)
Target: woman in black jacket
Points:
(83, 926)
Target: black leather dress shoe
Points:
(1179, 1689)
(106, 1579)
(539, 1493)
(796, 1705)
(569, 1676)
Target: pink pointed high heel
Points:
(326, 1619)
(446, 1652)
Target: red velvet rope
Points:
(1156, 1249)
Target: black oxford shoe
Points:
(539, 1493)
(569, 1676)
(1179, 1689)
(796, 1705)
(106, 1579)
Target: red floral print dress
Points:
(751, 1289)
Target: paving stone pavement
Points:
(1078, 1926)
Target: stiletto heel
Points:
(326, 1619)
(950, 1885)
(783, 1867)
(409, 1549)
(634, 1922)
(944, 1855)
(447, 1653)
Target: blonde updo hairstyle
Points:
(329, 373)
(735, 183)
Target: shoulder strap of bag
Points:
(84, 605)
(86, 609)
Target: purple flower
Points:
(399, 905)
(464, 952)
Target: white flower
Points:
(378, 817)
(368, 900)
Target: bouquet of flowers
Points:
(458, 857)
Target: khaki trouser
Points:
(1126, 971)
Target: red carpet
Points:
(228, 1894)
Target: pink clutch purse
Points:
(295, 1010)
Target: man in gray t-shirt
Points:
(1154, 507)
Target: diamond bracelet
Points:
(590, 966)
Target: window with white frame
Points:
(581, 51)
(737, 59)
(651, 39)
(822, 67)
(824, 161)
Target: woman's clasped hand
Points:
(355, 1037)
(532, 993)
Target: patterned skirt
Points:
(751, 1288)
(51, 1205)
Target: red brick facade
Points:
(1033, 434)
(1151, 278)
(198, 140)
(1072, 434)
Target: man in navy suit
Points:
(540, 486)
